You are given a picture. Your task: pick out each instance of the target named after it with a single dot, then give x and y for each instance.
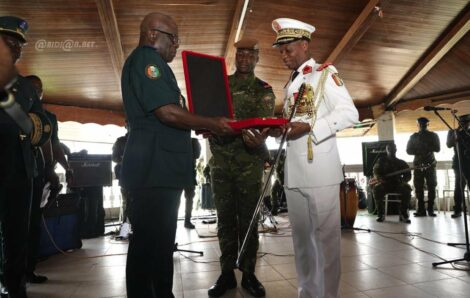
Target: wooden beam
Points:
(230, 49)
(112, 36)
(454, 32)
(355, 32)
(447, 98)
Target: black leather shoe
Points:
(381, 218)
(456, 214)
(404, 219)
(188, 225)
(419, 213)
(226, 281)
(252, 285)
(36, 279)
(431, 213)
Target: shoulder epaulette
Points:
(264, 84)
(324, 65)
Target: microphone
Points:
(429, 108)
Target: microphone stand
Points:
(466, 256)
(271, 171)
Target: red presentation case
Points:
(209, 92)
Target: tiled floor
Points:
(390, 261)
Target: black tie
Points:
(294, 75)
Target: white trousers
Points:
(314, 214)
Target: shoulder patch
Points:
(324, 65)
(152, 72)
(264, 84)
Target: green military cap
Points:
(247, 43)
(14, 26)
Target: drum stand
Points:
(266, 213)
(466, 256)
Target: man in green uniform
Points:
(237, 171)
(17, 163)
(117, 154)
(45, 156)
(422, 145)
(157, 161)
(189, 192)
(389, 181)
(462, 179)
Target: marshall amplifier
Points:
(371, 152)
(91, 170)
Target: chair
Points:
(395, 198)
(448, 196)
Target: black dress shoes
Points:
(419, 213)
(252, 285)
(188, 225)
(404, 219)
(431, 213)
(381, 218)
(36, 279)
(456, 214)
(226, 281)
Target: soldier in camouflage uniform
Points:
(237, 170)
(398, 183)
(422, 145)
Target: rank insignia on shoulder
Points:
(152, 72)
(265, 85)
(324, 65)
(337, 79)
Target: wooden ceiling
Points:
(392, 54)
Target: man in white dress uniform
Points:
(313, 170)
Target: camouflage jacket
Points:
(250, 98)
(386, 165)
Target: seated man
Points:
(392, 175)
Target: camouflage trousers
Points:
(420, 176)
(235, 200)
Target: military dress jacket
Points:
(17, 162)
(156, 155)
(335, 112)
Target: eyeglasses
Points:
(173, 37)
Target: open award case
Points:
(209, 92)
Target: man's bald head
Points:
(161, 32)
(154, 20)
